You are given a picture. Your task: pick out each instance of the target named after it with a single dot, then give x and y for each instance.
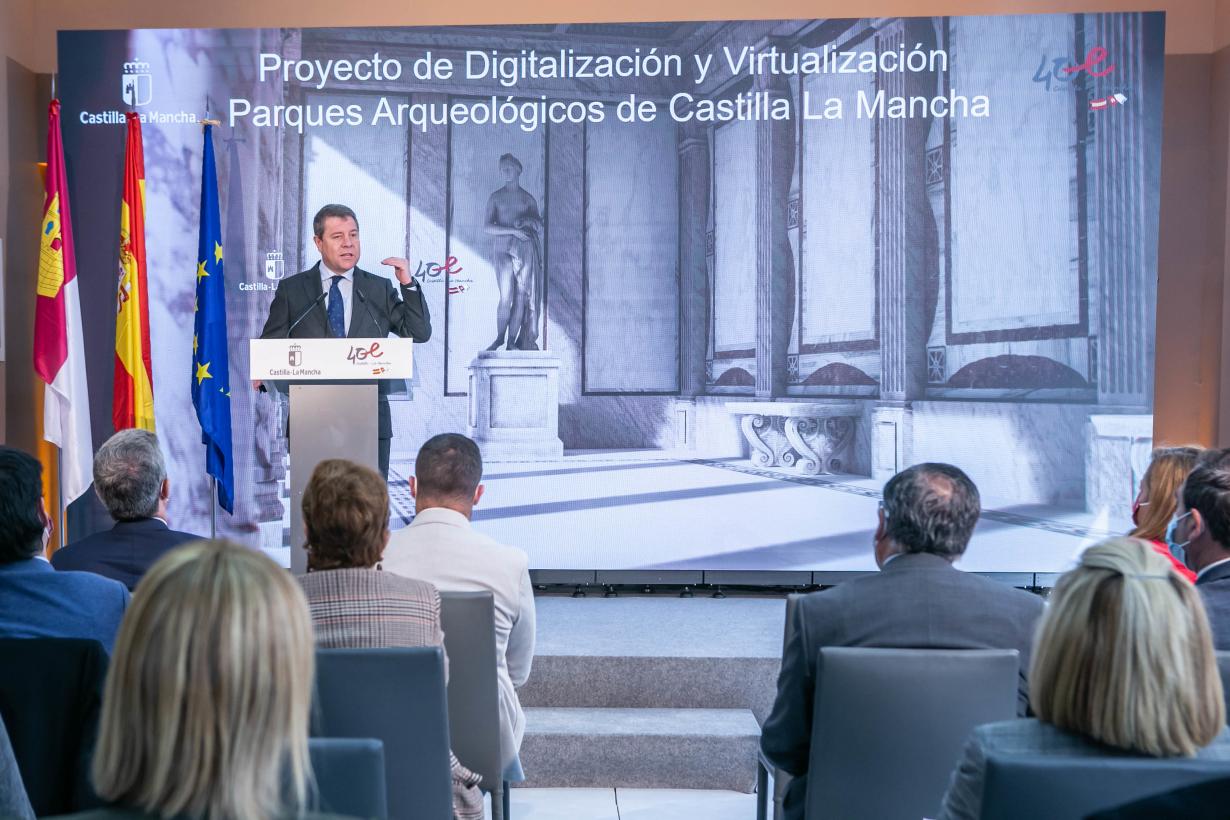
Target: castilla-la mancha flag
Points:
(132, 402)
(59, 354)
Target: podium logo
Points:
(295, 356)
(361, 354)
(137, 83)
(275, 265)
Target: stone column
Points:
(906, 256)
(775, 152)
(1123, 251)
(902, 210)
(694, 171)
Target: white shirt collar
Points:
(1200, 574)
(441, 515)
(327, 273)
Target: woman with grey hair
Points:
(1123, 665)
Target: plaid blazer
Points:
(369, 609)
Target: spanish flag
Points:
(59, 350)
(132, 403)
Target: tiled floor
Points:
(630, 804)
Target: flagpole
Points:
(60, 501)
(213, 480)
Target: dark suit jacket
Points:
(123, 552)
(377, 312)
(38, 602)
(915, 602)
(1214, 588)
(50, 697)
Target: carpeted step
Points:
(645, 748)
(653, 682)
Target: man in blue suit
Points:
(130, 477)
(35, 600)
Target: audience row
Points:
(364, 588)
(1120, 661)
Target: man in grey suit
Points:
(1199, 536)
(917, 601)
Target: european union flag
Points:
(211, 381)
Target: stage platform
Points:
(654, 511)
(650, 692)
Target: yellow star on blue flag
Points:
(209, 351)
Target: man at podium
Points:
(334, 298)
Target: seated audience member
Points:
(1123, 664)
(918, 600)
(130, 479)
(442, 548)
(1156, 501)
(1199, 535)
(205, 712)
(353, 604)
(35, 600)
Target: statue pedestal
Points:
(514, 405)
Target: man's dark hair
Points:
(510, 158)
(931, 508)
(448, 466)
(1207, 489)
(21, 495)
(332, 209)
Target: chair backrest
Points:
(890, 724)
(1026, 787)
(50, 697)
(1223, 666)
(349, 777)
(468, 620)
(396, 696)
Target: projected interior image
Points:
(703, 339)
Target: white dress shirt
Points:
(346, 286)
(441, 547)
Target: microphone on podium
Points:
(306, 311)
(261, 385)
(370, 315)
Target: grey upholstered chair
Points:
(396, 696)
(13, 801)
(899, 717)
(468, 619)
(781, 778)
(1223, 666)
(349, 777)
(1027, 787)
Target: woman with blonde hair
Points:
(1123, 664)
(1156, 500)
(205, 710)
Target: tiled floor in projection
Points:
(646, 509)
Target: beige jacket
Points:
(441, 548)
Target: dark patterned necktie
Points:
(337, 311)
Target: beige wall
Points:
(1193, 348)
